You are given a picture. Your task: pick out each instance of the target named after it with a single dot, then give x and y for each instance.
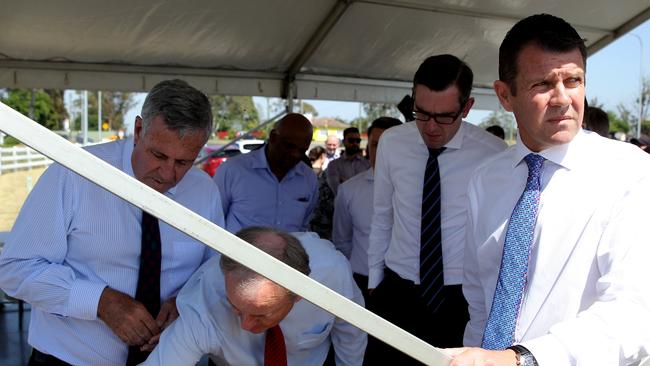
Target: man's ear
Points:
(502, 91)
(137, 130)
(468, 106)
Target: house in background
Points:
(324, 127)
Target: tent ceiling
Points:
(363, 50)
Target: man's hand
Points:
(168, 313)
(481, 357)
(126, 317)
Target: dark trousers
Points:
(39, 358)
(398, 301)
(362, 282)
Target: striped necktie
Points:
(508, 296)
(431, 269)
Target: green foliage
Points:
(10, 141)
(234, 113)
(47, 108)
(374, 111)
(114, 107)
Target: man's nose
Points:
(247, 322)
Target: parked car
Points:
(212, 163)
(249, 145)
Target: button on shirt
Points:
(209, 325)
(399, 174)
(587, 297)
(73, 238)
(352, 215)
(252, 196)
(342, 169)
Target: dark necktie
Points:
(275, 351)
(431, 270)
(148, 290)
(508, 296)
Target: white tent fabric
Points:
(353, 50)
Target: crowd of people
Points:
(532, 254)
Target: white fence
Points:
(17, 158)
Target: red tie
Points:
(275, 352)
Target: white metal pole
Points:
(638, 125)
(176, 215)
(84, 118)
(99, 115)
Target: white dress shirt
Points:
(208, 325)
(587, 297)
(72, 239)
(352, 216)
(399, 174)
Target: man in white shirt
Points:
(331, 150)
(228, 311)
(570, 253)
(353, 209)
(441, 91)
(79, 255)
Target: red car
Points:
(211, 164)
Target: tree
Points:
(114, 107)
(234, 113)
(43, 106)
(503, 119)
(373, 111)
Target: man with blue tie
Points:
(556, 259)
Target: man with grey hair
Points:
(98, 270)
(239, 317)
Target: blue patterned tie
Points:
(500, 329)
(432, 278)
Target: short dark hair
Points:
(350, 130)
(316, 152)
(497, 131)
(544, 30)
(184, 108)
(442, 71)
(596, 120)
(383, 123)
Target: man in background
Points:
(417, 236)
(351, 161)
(271, 186)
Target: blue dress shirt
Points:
(208, 324)
(252, 196)
(72, 238)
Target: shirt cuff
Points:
(84, 299)
(548, 351)
(375, 276)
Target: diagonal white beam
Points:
(128, 188)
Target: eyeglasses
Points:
(353, 140)
(440, 118)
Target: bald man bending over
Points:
(271, 186)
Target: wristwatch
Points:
(524, 356)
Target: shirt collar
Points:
(260, 162)
(455, 143)
(565, 155)
(127, 167)
(370, 174)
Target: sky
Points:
(612, 78)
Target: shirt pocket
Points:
(314, 336)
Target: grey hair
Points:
(184, 108)
(292, 254)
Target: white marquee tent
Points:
(353, 50)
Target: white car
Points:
(248, 145)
